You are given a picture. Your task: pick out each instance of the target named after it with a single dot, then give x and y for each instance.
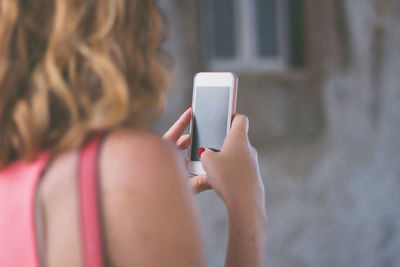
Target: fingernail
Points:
(188, 108)
(201, 151)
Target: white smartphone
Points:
(213, 104)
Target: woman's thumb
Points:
(207, 156)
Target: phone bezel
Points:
(212, 79)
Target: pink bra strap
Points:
(88, 187)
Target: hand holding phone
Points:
(234, 172)
(214, 103)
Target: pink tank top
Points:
(18, 184)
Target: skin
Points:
(149, 213)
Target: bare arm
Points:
(150, 217)
(234, 175)
(247, 227)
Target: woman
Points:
(80, 80)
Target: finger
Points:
(183, 141)
(179, 126)
(207, 157)
(240, 123)
(199, 183)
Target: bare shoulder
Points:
(127, 149)
(129, 141)
(148, 207)
(142, 167)
(130, 158)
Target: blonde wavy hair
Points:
(69, 68)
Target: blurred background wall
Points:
(320, 82)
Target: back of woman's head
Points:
(69, 68)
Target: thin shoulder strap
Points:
(18, 184)
(88, 188)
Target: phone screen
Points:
(210, 119)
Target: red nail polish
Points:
(188, 108)
(201, 151)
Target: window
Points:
(247, 35)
